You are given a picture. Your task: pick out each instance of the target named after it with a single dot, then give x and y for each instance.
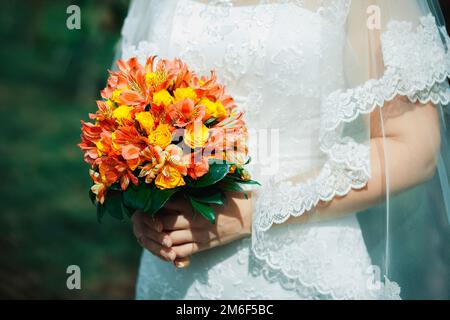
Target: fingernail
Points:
(166, 242)
(158, 225)
(172, 255)
(166, 255)
(182, 264)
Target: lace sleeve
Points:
(417, 65)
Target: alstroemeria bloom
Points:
(176, 158)
(197, 168)
(185, 112)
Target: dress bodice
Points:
(274, 73)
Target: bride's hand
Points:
(176, 234)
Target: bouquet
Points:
(159, 131)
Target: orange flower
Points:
(185, 112)
(131, 155)
(127, 135)
(176, 158)
(198, 168)
(154, 158)
(112, 170)
(99, 188)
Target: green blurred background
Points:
(50, 78)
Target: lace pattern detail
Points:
(419, 75)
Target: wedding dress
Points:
(300, 70)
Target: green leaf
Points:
(127, 211)
(210, 121)
(217, 171)
(100, 212)
(136, 197)
(214, 198)
(116, 187)
(249, 182)
(158, 199)
(233, 186)
(239, 180)
(92, 197)
(204, 209)
(113, 204)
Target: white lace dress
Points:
(322, 260)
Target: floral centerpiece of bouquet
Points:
(161, 130)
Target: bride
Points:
(346, 101)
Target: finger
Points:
(190, 235)
(172, 221)
(182, 262)
(165, 253)
(188, 249)
(158, 237)
(137, 226)
(185, 250)
(152, 222)
(175, 222)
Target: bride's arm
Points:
(412, 139)
(407, 155)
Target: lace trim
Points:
(387, 290)
(278, 201)
(417, 74)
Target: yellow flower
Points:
(213, 109)
(196, 135)
(169, 178)
(100, 148)
(221, 111)
(115, 97)
(115, 146)
(111, 105)
(161, 136)
(155, 78)
(162, 97)
(184, 93)
(146, 121)
(150, 78)
(122, 112)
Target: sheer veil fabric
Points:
(326, 77)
